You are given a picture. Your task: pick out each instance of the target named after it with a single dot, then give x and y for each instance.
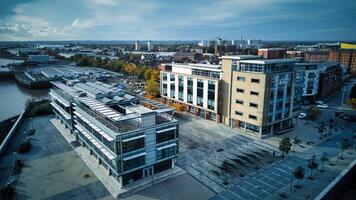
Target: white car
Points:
(319, 102)
(322, 106)
(302, 115)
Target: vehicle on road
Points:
(319, 102)
(345, 116)
(302, 115)
(322, 106)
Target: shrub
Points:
(7, 192)
(25, 147)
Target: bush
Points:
(32, 132)
(7, 192)
(39, 108)
(25, 147)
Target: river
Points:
(13, 98)
(4, 62)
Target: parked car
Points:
(322, 106)
(319, 102)
(302, 115)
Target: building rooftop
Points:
(63, 87)
(196, 66)
(269, 61)
(240, 57)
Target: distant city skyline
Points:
(173, 20)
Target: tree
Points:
(285, 145)
(299, 174)
(352, 103)
(344, 144)
(312, 165)
(353, 92)
(324, 158)
(152, 88)
(313, 113)
(296, 141)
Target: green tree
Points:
(351, 103)
(313, 113)
(324, 158)
(344, 144)
(312, 164)
(152, 88)
(285, 145)
(299, 174)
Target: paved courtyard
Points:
(218, 156)
(52, 170)
(275, 182)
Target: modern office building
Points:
(257, 94)
(196, 86)
(128, 139)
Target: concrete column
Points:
(119, 179)
(260, 132)
(173, 163)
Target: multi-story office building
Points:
(258, 94)
(128, 139)
(196, 86)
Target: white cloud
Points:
(77, 23)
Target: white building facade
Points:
(196, 86)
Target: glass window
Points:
(133, 145)
(252, 117)
(134, 163)
(240, 90)
(165, 136)
(238, 113)
(164, 153)
(238, 101)
(253, 93)
(255, 80)
(253, 105)
(240, 78)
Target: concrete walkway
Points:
(277, 181)
(102, 174)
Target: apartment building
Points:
(129, 140)
(346, 57)
(196, 86)
(317, 80)
(258, 94)
(272, 53)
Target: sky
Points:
(177, 20)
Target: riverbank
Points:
(5, 127)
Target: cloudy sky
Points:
(177, 20)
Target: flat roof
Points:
(63, 86)
(240, 57)
(269, 61)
